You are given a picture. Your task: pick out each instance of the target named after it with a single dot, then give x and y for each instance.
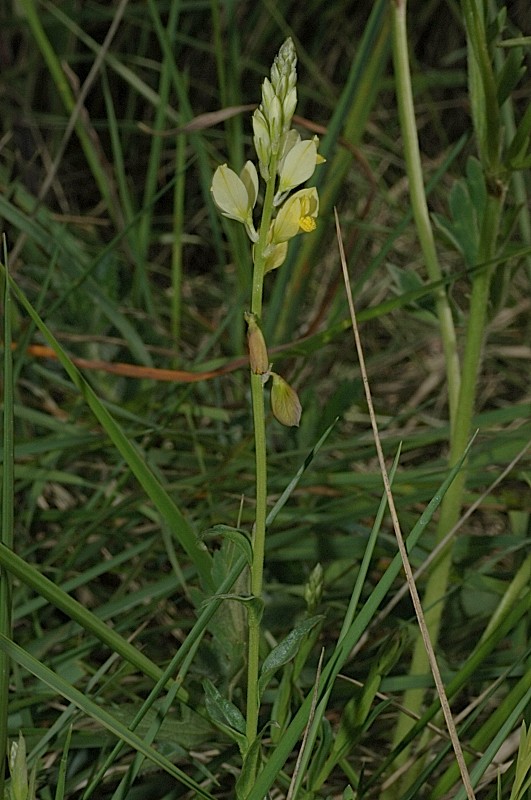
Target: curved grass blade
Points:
(97, 713)
(134, 458)
(11, 562)
(7, 514)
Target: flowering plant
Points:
(284, 163)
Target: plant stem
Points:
(419, 205)
(451, 505)
(461, 383)
(257, 394)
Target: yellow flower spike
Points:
(285, 402)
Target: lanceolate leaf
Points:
(225, 714)
(285, 651)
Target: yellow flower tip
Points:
(307, 224)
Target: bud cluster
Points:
(272, 118)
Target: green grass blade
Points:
(290, 488)
(471, 666)
(59, 78)
(289, 739)
(507, 725)
(8, 506)
(99, 714)
(171, 514)
(11, 562)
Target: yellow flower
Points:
(296, 215)
(235, 196)
(298, 165)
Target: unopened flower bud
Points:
(274, 118)
(258, 357)
(262, 142)
(285, 402)
(275, 256)
(313, 590)
(284, 69)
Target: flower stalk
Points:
(284, 163)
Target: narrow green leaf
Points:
(99, 714)
(510, 74)
(285, 651)
(288, 491)
(61, 778)
(7, 511)
(362, 620)
(521, 140)
(77, 612)
(250, 768)
(239, 537)
(171, 514)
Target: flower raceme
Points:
(285, 161)
(280, 151)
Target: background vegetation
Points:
(116, 249)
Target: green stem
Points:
(257, 567)
(437, 582)
(260, 248)
(419, 205)
(257, 393)
(461, 384)
(177, 247)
